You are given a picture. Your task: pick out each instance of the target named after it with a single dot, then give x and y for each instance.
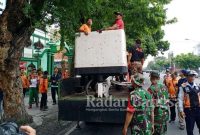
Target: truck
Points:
(90, 96)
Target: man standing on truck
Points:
(118, 24)
(136, 57)
(87, 27)
(139, 110)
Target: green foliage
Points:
(159, 63)
(186, 61)
(143, 19)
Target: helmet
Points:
(154, 74)
(192, 73)
(138, 79)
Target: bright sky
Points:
(188, 26)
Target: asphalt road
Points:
(111, 129)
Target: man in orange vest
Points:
(43, 88)
(25, 82)
(189, 103)
(172, 86)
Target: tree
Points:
(143, 18)
(188, 61)
(15, 31)
(159, 63)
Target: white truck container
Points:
(101, 53)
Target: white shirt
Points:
(181, 96)
(33, 83)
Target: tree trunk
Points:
(15, 32)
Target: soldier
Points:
(160, 97)
(139, 110)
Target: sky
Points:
(188, 26)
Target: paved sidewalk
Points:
(46, 122)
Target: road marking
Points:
(72, 129)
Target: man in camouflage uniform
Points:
(160, 99)
(139, 110)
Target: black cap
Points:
(118, 13)
(45, 73)
(154, 74)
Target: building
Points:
(34, 57)
(44, 53)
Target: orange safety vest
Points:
(25, 82)
(172, 85)
(43, 85)
(191, 96)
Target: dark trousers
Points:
(54, 90)
(192, 117)
(43, 102)
(172, 110)
(24, 91)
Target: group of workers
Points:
(38, 82)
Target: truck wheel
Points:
(90, 87)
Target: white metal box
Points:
(101, 53)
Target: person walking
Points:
(172, 86)
(183, 79)
(55, 78)
(167, 77)
(33, 79)
(25, 82)
(189, 103)
(160, 99)
(140, 109)
(43, 88)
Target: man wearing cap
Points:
(189, 103)
(160, 99)
(139, 110)
(118, 24)
(136, 57)
(183, 79)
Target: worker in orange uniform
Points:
(167, 77)
(43, 87)
(87, 27)
(25, 82)
(172, 86)
(65, 73)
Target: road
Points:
(111, 129)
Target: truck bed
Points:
(79, 107)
